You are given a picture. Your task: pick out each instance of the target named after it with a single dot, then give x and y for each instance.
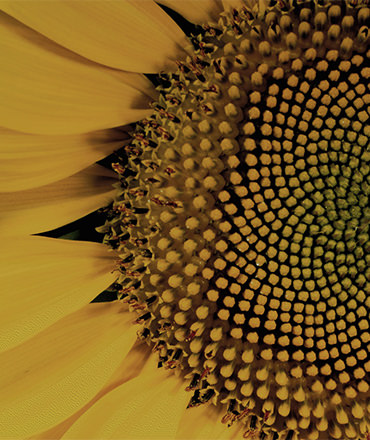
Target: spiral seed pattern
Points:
(242, 220)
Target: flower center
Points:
(242, 220)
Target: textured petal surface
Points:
(53, 374)
(44, 279)
(30, 160)
(203, 423)
(196, 11)
(148, 407)
(131, 367)
(47, 89)
(130, 35)
(48, 207)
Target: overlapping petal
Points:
(194, 10)
(149, 406)
(43, 279)
(130, 35)
(205, 422)
(48, 207)
(30, 160)
(54, 374)
(131, 366)
(46, 89)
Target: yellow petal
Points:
(44, 279)
(47, 89)
(204, 422)
(148, 407)
(131, 367)
(30, 160)
(136, 36)
(52, 375)
(196, 11)
(48, 207)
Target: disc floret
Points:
(242, 218)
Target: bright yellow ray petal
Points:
(48, 207)
(43, 279)
(30, 160)
(148, 407)
(52, 375)
(204, 422)
(47, 89)
(131, 35)
(131, 367)
(196, 11)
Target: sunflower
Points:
(225, 291)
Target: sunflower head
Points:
(242, 219)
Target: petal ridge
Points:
(127, 35)
(50, 206)
(44, 279)
(46, 89)
(54, 374)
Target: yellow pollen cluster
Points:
(242, 220)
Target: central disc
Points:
(242, 220)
